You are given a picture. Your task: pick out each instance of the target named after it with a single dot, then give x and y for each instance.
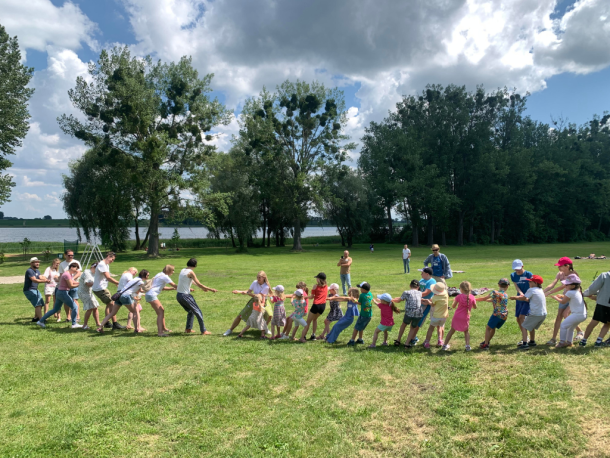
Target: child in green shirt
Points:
(366, 313)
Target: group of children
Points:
(428, 297)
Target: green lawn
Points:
(76, 393)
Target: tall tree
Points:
(14, 115)
(157, 113)
(302, 126)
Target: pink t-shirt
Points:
(387, 314)
(64, 284)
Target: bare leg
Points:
(401, 331)
(47, 298)
(429, 333)
(523, 330)
(354, 334)
(311, 317)
(326, 329)
(591, 327)
(241, 334)
(441, 332)
(294, 331)
(235, 322)
(288, 326)
(557, 325)
(68, 312)
(112, 313)
(533, 335)
(87, 315)
(129, 320)
(449, 335)
(604, 330)
(467, 336)
(38, 312)
(375, 334)
(158, 308)
(385, 337)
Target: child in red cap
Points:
(537, 313)
(566, 267)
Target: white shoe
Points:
(59, 320)
(86, 327)
(227, 332)
(77, 326)
(269, 333)
(284, 337)
(41, 324)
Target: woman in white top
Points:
(90, 303)
(187, 301)
(158, 284)
(128, 288)
(52, 274)
(578, 309)
(259, 286)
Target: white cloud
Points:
(26, 196)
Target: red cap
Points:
(564, 261)
(536, 279)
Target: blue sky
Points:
(376, 52)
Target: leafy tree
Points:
(1, 215)
(301, 126)
(47, 217)
(14, 115)
(155, 113)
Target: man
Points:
(601, 288)
(406, 259)
(441, 269)
(344, 263)
(63, 266)
(100, 286)
(30, 288)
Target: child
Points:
(387, 309)
(303, 287)
(520, 278)
(335, 313)
(366, 313)
(279, 312)
(257, 318)
(499, 299)
(461, 318)
(438, 314)
(319, 293)
(413, 313)
(536, 300)
(578, 310)
(348, 318)
(136, 301)
(300, 310)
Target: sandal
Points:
(552, 342)
(397, 343)
(239, 336)
(100, 330)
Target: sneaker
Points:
(284, 337)
(579, 336)
(484, 346)
(552, 342)
(414, 342)
(520, 343)
(117, 325)
(596, 344)
(532, 343)
(606, 343)
(359, 341)
(59, 320)
(227, 332)
(385, 344)
(77, 326)
(440, 343)
(85, 328)
(372, 346)
(268, 332)
(41, 324)
(524, 347)
(312, 337)
(583, 343)
(35, 320)
(426, 344)
(467, 348)
(108, 325)
(351, 343)
(446, 347)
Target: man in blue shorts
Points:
(30, 288)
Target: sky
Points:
(376, 51)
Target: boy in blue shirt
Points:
(520, 278)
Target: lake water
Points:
(59, 234)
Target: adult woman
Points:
(319, 293)
(259, 286)
(52, 274)
(158, 284)
(90, 303)
(126, 299)
(66, 283)
(441, 269)
(566, 267)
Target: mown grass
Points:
(65, 393)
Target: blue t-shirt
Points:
(427, 284)
(521, 280)
(437, 266)
(29, 285)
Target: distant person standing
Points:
(441, 269)
(372, 248)
(63, 267)
(30, 288)
(345, 264)
(406, 259)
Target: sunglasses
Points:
(69, 256)
(434, 250)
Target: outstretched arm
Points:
(193, 277)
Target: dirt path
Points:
(11, 280)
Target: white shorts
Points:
(49, 290)
(300, 321)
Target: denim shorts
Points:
(362, 323)
(150, 296)
(522, 308)
(73, 294)
(126, 299)
(35, 298)
(495, 322)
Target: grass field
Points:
(76, 393)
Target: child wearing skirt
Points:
(279, 312)
(461, 319)
(257, 317)
(335, 313)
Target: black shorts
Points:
(318, 309)
(602, 313)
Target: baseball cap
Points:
(364, 285)
(321, 276)
(564, 261)
(438, 288)
(504, 281)
(571, 279)
(34, 259)
(298, 292)
(517, 264)
(536, 279)
(279, 288)
(333, 286)
(385, 297)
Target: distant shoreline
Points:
(37, 223)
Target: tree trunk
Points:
(415, 241)
(341, 234)
(233, 239)
(264, 228)
(390, 228)
(277, 238)
(282, 238)
(430, 230)
(350, 239)
(471, 231)
(268, 236)
(153, 229)
(493, 229)
(443, 239)
(460, 235)
(137, 230)
(145, 241)
(296, 244)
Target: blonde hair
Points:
(130, 270)
(302, 285)
(259, 299)
(56, 260)
(465, 287)
(281, 296)
(261, 273)
(354, 293)
(435, 247)
(168, 268)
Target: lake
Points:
(59, 234)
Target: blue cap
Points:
(385, 297)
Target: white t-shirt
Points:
(134, 286)
(63, 266)
(100, 282)
(537, 301)
(577, 303)
(125, 278)
(51, 274)
(159, 282)
(258, 288)
(405, 253)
